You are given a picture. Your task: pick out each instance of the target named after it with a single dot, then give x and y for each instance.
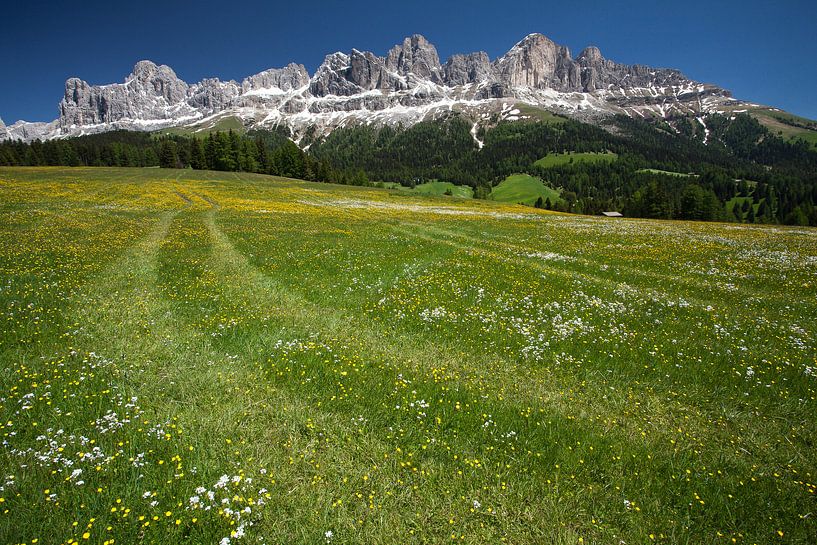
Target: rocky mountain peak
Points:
(2, 125)
(330, 78)
(406, 85)
(415, 56)
(590, 55)
(539, 63)
(144, 69)
(74, 86)
(160, 78)
(292, 76)
(464, 69)
(539, 43)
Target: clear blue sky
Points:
(763, 51)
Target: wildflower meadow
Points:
(228, 358)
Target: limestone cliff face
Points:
(150, 92)
(292, 76)
(465, 69)
(406, 85)
(538, 63)
(415, 57)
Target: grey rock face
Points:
(464, 69)
(535, 62)
(359, 71)
(331, 77)
(149, 92)
(211, 95)
(366, 70)
(406, 84)
(27, 132)
(415, 56)
(293, 106)
(161, 80)
(600, 73)
(2, 125)
(292, 76)
(406, 65)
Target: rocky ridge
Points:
(406, 85)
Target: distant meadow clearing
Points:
(226, 358)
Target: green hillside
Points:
(665, 172)
(788, 125)
(523, 188)
(224, 123)
(559, 159)
(442, 188)
(631, 176)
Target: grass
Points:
(788, 125)
(559, 159)
(538, 114)
(189, 357)
(440, 188)
(435, 188)
(731, 203)
(523, 188)
(667, 173)
(219, 124)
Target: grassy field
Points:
(730, 204)
(523, 188)
(538, 114)
(194, 357)
(439, 188)
(559, 159)
(223, 124)
(667, 172)
(788, 125)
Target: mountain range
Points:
(407, 85)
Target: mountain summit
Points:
(406, 85)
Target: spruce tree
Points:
(168, 156)
(198, 159)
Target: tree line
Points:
(782, 175)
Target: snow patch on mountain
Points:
(406, 86)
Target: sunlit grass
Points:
(194, 357)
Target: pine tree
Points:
(236, 155)
(168, 156)
(263, 156)
(761, 209)
(198, 159)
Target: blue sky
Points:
(762, 51)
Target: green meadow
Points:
(559, 159)
(226, 358)
(442, 188)
(524, 189)
(666, 172)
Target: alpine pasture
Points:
(194, 357)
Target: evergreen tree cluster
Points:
(783, 187)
